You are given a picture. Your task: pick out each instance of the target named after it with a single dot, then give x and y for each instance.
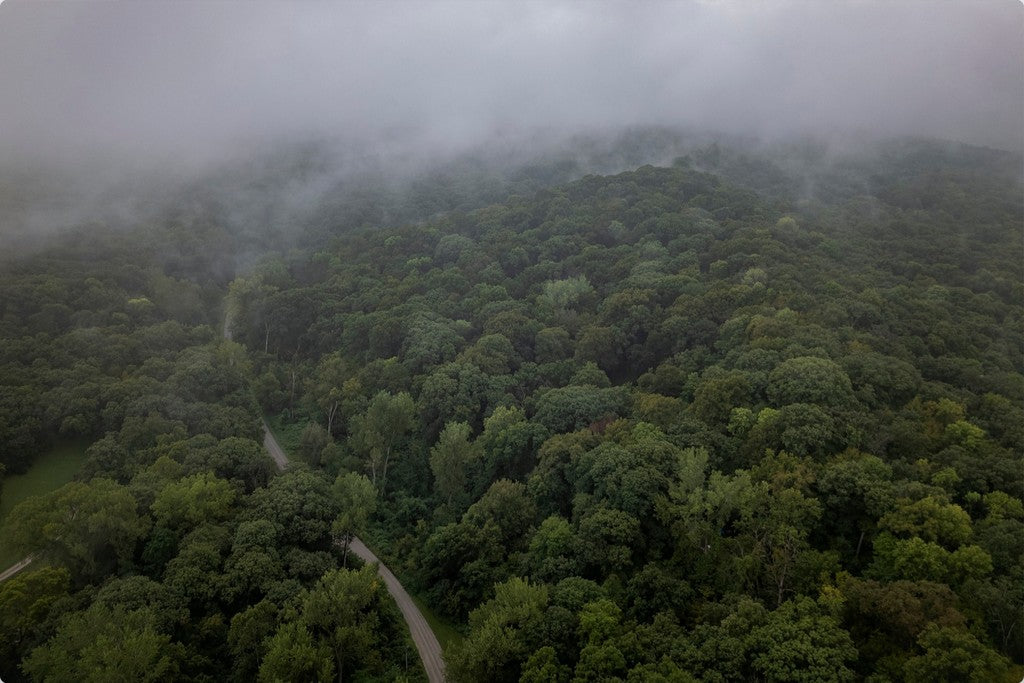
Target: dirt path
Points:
(422, 635)
(275, 450)
(14, 569)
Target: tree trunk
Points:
(384, 472)
(291, 395)
(330, 419)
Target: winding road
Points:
(422, 635)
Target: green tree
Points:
(953, 655)
(299, 503)
(342, 613)
(90, 528)
(104, 644)
(357, 499)
(450, 459)
(247, 638)
(377, 433)
(193, 501)
(799, 643)
(502, 634)
(293, 655)
(25, 602)
(808, 379)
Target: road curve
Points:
(423, 637)
(14, 569)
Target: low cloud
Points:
(170, 82)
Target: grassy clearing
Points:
(50, 471)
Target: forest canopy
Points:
(684, 422)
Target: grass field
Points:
(51, 470)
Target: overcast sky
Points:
(195, 78)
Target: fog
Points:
(190, 82)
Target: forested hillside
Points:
(753, 414)
(179, 553)
(663, 425)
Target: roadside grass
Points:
(446, 632)
(286, 433)
(50, 471)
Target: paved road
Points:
(11, 571)
(426, 641)
(422, 635)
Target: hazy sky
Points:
(198, 77)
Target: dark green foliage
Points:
(727, 431)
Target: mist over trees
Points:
(672, 342)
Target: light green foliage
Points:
(798, 643)
(501, 634)
(236, 459)
(450, 459)
(543, 667)
(25, 601)
(917, 559)
(492, 353)
(431, 341)
(600, 622)
(931, 519)
(255, 564)
(602, 345)
(564, 294)
(312, 442)
(378, 432)
(609, 539)
(552, 551)
(575, 407)
(292, 655)
(196, 573)
(299, 503)
(509, 443)
(344, 628)
(104, 644)
(553, 344)
(248, 638)
(357, 499)
(193, 501)
(341, 613)
(86, 527)
(953, 655)
(506, 505)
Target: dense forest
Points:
(755, 413)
